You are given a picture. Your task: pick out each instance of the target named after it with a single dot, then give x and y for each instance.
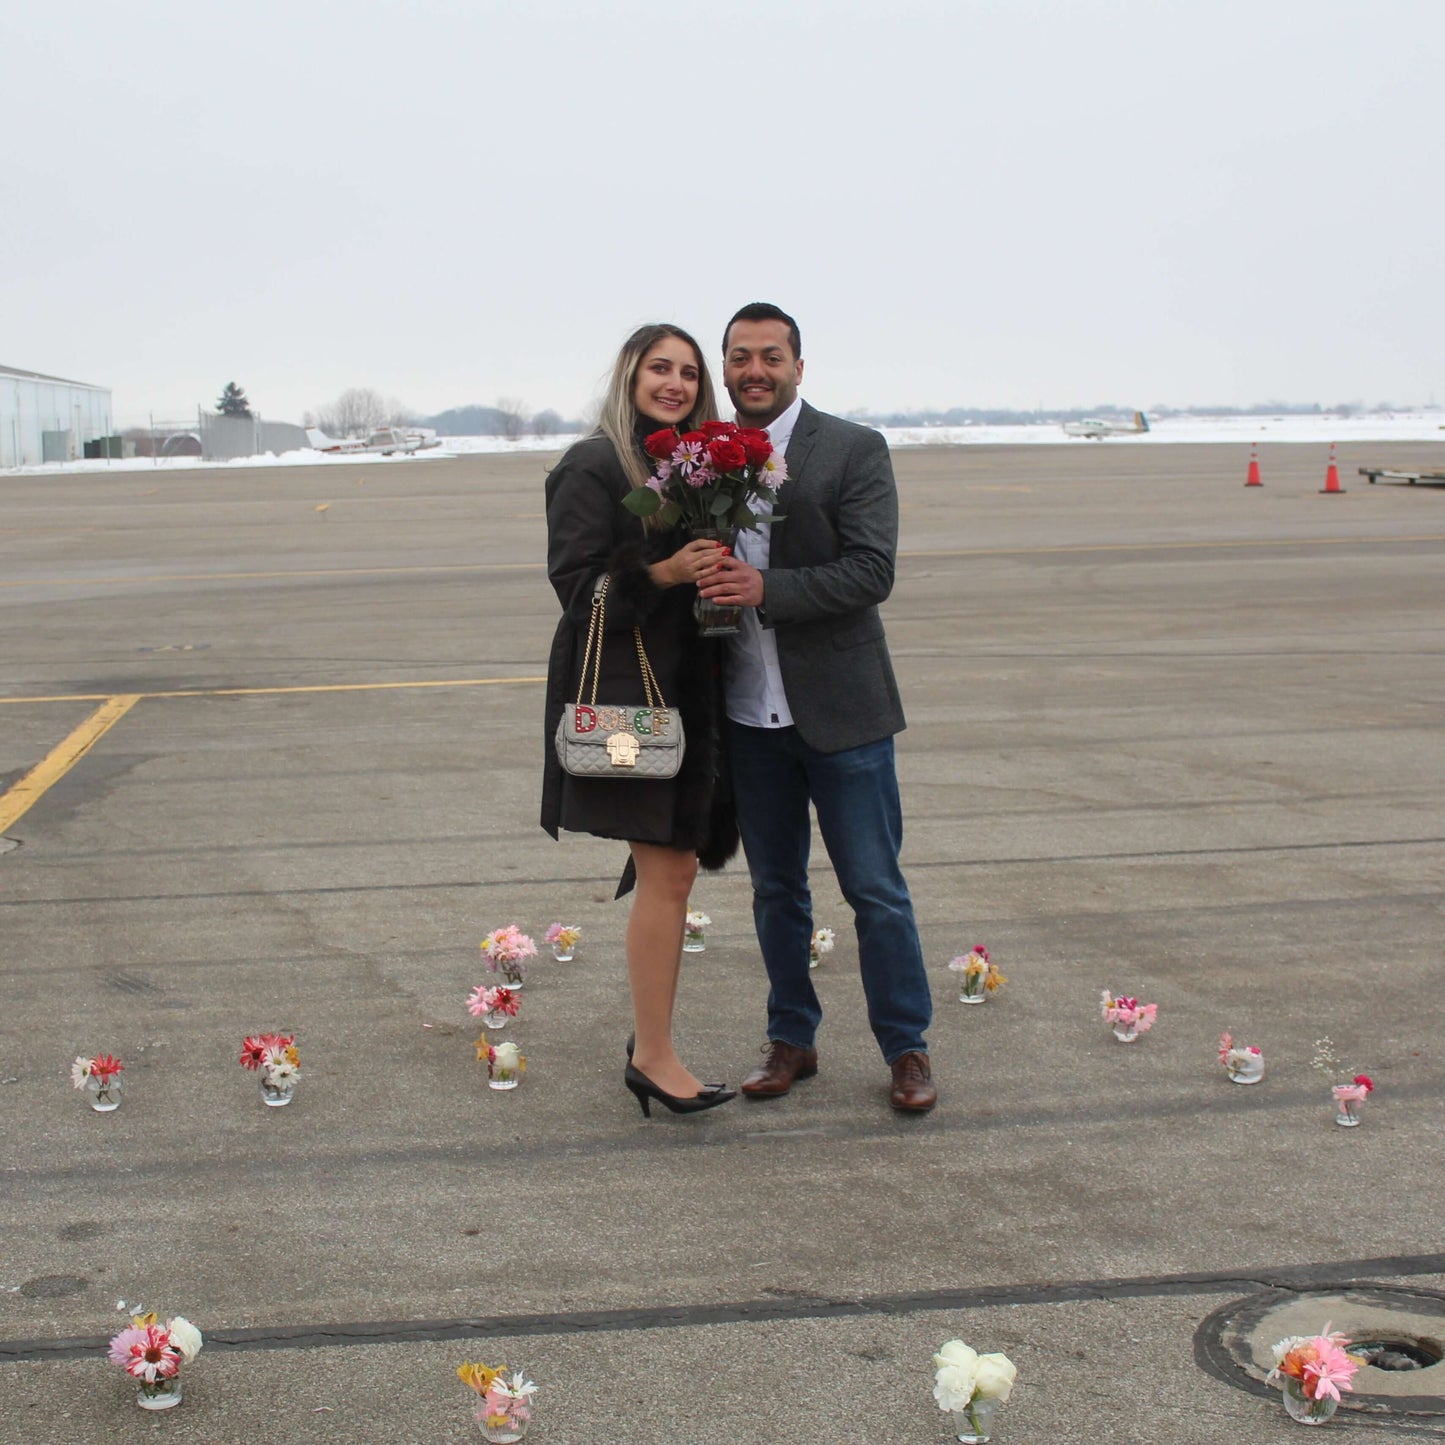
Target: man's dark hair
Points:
(766, 311)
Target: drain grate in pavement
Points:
(1399, 1331)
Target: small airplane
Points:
(1094, 428)
(387, 440)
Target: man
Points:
(813, 707)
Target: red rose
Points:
(712, 429)
(756, 444)
(694, 438)
(661, 444)
(726, 455)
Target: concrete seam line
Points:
(20, 798)
(400, 1332)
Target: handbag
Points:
(601, 740)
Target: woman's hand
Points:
(690, 563)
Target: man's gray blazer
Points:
(830, 564)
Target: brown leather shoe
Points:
(782, 1063)
(913, 1088)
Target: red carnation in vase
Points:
(253, 1052)
(106, 1066)
(756, 444)
(713, 429)
(726, 455)
(661, 444)
(1365, 1082)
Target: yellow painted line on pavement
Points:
(19, 799)
(270, 691)
(272, 576)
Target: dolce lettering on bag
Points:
(648, 721)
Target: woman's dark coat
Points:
(590, 532)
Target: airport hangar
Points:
(48, 419)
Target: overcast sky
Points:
(963, 202)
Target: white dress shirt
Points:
(754, 683)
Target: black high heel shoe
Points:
(645, 1091)
(631, 1044)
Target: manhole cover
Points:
(1399, 1331)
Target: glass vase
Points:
(513, 972)
(975, 1422)
(713, 620)
(1126, 1033)
(1301, 1409)
(1347, 1113)
(504, 1428)
(501, 1078)
(693, 940)
(104, 1096)
(974, 989)
(496, 1019)
(162, 1395)
(277, 1093)
(1249, 1071)
(563, 952)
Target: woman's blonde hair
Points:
(617, 420)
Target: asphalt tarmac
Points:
(270, 748)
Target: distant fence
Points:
(225, 438)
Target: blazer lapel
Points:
(799, 445)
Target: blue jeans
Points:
(775, 776)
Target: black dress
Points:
(590, 532)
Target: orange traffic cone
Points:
(1254, 480)
(1332, 476)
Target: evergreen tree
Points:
(233, 401)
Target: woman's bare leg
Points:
(654, 959)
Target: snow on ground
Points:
(1393, 427)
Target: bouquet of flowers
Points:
(1312, 1370)
(1127, 1016)
(100, 1078)
(1244, 1065)
(706, 478)
(505, 1063)
(1348, 1097)
(507, 950)
(153, 1353)
(820, 947)
(506, 1403)
(981, 975)
(278, 1060)
(497, 1004)
(972, 1385)
(563, 938)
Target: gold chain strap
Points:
(596, 627)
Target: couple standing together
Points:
(806, 716)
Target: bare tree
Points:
(512, 417)
(546, 424)
(357, 411)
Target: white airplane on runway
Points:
(387, 440)
(1094, 428)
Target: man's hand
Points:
(732, 583)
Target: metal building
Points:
(48, 419)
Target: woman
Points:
(660, 380)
